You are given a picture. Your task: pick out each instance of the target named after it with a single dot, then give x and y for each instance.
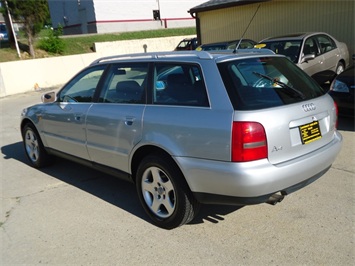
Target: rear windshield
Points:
(258, 83)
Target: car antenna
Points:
(237, 46)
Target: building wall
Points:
(278, 17)
(69, 15)
(104, 16)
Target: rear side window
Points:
(179, 84)
(258, 83)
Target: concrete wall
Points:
(28, 75)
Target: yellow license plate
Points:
(310, 132)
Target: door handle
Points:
(78, 117)
(129, 120)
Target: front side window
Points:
(258, 83)
(310, 47)
(179, 84)
(82, 87)
(125, 83)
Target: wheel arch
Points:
(342, 60)
(43, 158)
(26, 121)
(144, 151)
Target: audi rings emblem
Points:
(309, 107)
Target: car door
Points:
(114, 123)
(329, 51)
(64, 121)
(312, 66)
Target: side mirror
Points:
(353, 57)
(308, 57)
(49, 97)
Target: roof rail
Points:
(152, 55)
(125, 56)
(174, 54)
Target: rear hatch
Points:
(296, 129)
(297, 115)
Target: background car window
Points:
(291, 49)
(244, 44)
(326, 43)
(310, 47)
(125, 83)
(82, 87)
(179, 84)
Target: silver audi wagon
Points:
(190, 128)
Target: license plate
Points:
(310, 132)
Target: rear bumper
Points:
(229, 200)
(254, 182)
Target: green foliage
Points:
(52, 43)
(83, 44)
(33, 13)
(2, 8)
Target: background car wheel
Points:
(34, 148)
(340, 68)
(164, 193)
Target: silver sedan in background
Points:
(317, 53)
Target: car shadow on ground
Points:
(117, 192)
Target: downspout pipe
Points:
(198, 26)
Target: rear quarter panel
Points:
(187, 131)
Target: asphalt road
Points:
(70, 214)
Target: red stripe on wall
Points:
(135, 20)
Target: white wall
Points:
(124, 10)
(143, 9)
(22, 76)
(120, 15)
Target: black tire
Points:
(340, 68)
(34, 148)
(164, 193)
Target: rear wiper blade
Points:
(283, 85)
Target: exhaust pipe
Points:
(275, 198)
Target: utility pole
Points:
(12, 29)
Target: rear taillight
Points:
(248, 142)
(336, 114)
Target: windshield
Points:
(258, 83)
(2, 28)
(213, 47)
(183, 44)
(290, 49)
